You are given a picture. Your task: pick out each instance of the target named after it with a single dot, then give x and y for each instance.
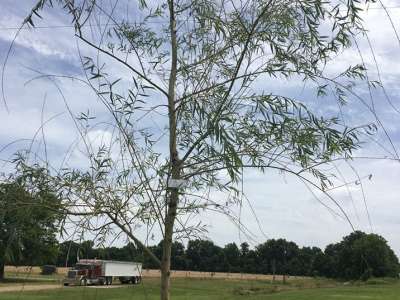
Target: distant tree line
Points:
(28, 230)
(357, 256)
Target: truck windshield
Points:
(82, 267)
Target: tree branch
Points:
(124, 63)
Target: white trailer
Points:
(125, 271)
(95, 271)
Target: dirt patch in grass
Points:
(114, 286)
(28, 287)
(174, 274)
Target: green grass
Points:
(217, 289)
(18, 278)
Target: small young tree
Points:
(204, 69)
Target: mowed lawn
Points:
(218, 289)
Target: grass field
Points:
(219, 289)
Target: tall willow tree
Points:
(189, 85)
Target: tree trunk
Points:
(167, 243)
(172, 193)
(2, 265)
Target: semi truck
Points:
(100, 272)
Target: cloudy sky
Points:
(283, 205)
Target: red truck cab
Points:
(84, 274)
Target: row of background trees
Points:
(30, 220)
(357, 256)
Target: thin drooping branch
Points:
(313, 184)
(136, 240)
(155, 85)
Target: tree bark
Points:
(2, 265)
(166, 257)
(172, 197)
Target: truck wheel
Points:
(83, 282)
(108, 280)
(123, 280)
(134, 280)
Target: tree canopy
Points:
(361, 255)
(29, 213)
